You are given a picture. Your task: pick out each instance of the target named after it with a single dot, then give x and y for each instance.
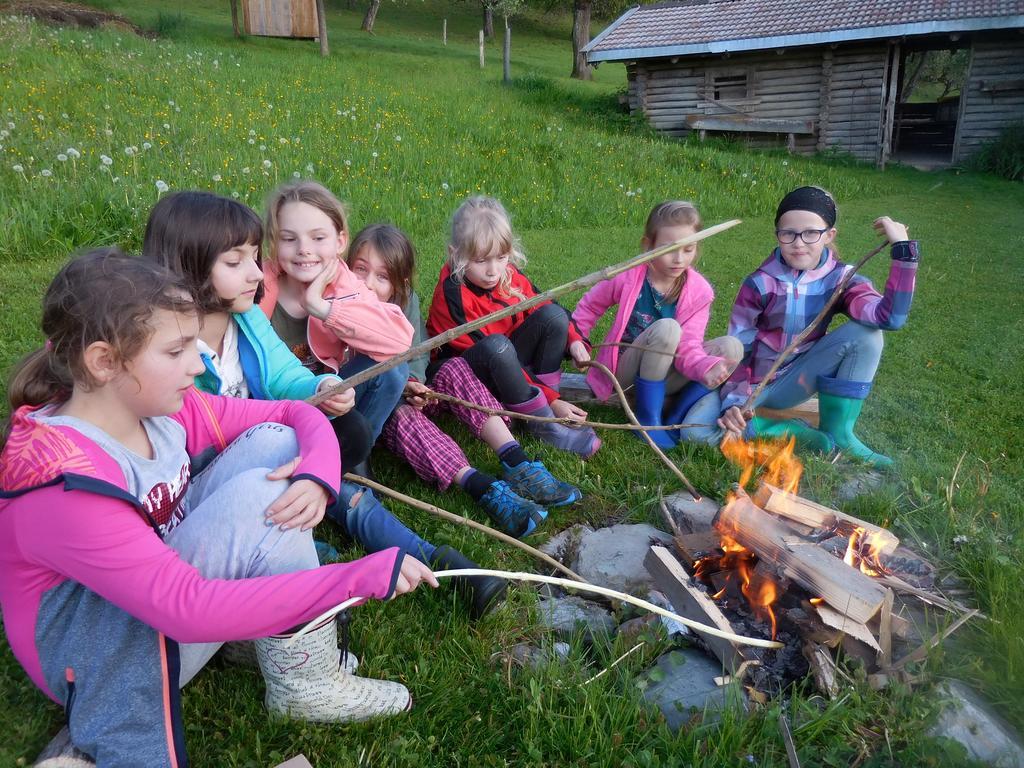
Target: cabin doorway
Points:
(928, 105)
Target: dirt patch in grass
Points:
(71, 15)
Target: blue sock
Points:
(512, 453)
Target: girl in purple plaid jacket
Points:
(383, 257)
(783, 296)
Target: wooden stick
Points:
(632, 417)
(920, 653)
(453, 333)
(584, 587)
(451, 517)
(668, 516)
(566, 420)
(891, 580)
(787, 739)
(799, 338)
(605, 671)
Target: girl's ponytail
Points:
(38, 379)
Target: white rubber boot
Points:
(242, 653)
(306, 682)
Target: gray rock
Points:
(564, 545)
(969, 720)
(860, 484)
(682, 684)
(614, 557)
(568, 616)
(526, 655)
(691, 516)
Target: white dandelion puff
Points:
(72, 152)
(246, 170)
(161, 186)
(267, 164)
(18, 168)
(46, 173)
(62, 157)
(216, 177)
(296, 175)
(106, 160)
(146, 145)
(310, 169)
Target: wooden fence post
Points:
(444, 32)
(481, 49)
(506, 59)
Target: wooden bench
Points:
(745, 124)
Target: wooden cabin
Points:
(815, 76)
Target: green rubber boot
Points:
(806, 435)
(839, 406)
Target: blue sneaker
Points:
(515, 515)
(532, 480)
(325, 553)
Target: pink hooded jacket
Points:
(358, 319)
(65, 515)
(693, 308)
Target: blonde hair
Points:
(481, 226)
(672, 213)
(309, 192)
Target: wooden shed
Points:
(825, 74)
(280, 18)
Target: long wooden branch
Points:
(799, 339)
(582, 282)
(566, 420)
(636, 423)
(459, 520)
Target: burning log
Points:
(688, 600)
(845, 589)
(808, 513)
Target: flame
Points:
(864, 551)
(778, 462)
(817, 600)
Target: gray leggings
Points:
(661, 338)
(224, 534)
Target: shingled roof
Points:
(694, 27)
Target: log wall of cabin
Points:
(993, 96)
(839, 90)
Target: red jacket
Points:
(455, 303)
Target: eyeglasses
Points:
(809, 236)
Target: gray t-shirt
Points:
(158, 483)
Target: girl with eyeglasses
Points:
(783, 296)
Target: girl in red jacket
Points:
(519, 358)
(135, 509)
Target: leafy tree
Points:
(945, 68)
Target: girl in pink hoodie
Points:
(656, 341)
(143, 523)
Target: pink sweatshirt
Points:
(693, 308)
(358, 319)
(65, 514)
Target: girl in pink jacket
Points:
(656, 341)
(143, 523)
(330, 319)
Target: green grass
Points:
(579, 178)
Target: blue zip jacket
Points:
(271, 371)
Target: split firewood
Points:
(696, 546)
(823, 668)
(921, 653)
(815, 515)
(690, 601)
(846, 625)
(844, 588)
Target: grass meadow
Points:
(95, 124)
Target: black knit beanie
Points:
(813, 199)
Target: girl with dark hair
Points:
(135, 509)
(214, 243)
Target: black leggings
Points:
(354, 436)
(538, 345)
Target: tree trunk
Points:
(234, 18)
(488, 20)
(911, 82)
(321, 25)
(371, 15)
(580, 37)
(506, 59)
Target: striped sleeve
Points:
(886, 311)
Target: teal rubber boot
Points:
(650, 397)
(806, 435)
(839, 406)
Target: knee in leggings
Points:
(274, 443)
(553, 317)
(664, 334)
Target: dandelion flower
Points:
(263, 147)
(167, 126)
(348, 163)
(283, 140)
(74, 153)
(296, 175)
(398, 138)
(18, 168)
(375, 155)
(106, 160)
(46, 173)
(146, 145)
(252, 141)
(129, 151)
(62, 157)
(234, 195)
(267, 164)
(108, 132)
(444, 186)
(161, 186)
(216, 177)
(377, 126)
(10, 125)
(310, 169)
(337, 111)
(246, 170)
